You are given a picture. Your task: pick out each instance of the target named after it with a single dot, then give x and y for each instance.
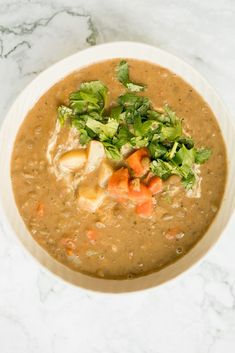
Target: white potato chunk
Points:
(105, 173)
(95, 154)
(73, 160)
(126, 149)
(90, 198)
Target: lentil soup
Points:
(115, 185)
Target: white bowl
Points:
(10, 216)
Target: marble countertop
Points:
(38, 313)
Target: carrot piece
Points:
(145, 209)
(91, 235)
(138, 191)
(69, 251)
(118, 182)
(155, 185)
(139, 162)
(40, 209)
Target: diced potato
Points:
(105, 173)
(73, 160)
(95, 154)
(126, 149)
(90, 198)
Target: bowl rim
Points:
(87, 282)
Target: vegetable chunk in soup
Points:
(119, 169)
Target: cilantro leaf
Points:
(184, 159)
(139, 141)
(202, 155)
(123, 137)
(172, 126)
(84, 137)
(64, 113)
(154, 115)
(171, 153)
(112, 151)
(133, 87)
(141, 128)
(171, 133)
(91, 97)
(123, 72)
(115, 112)
(186, 140)
(185, 156)
(123, 77)
(170, 114)
(163, 169)
(130, 100)
(189, 181)
(104, 131)
(157, 150)
(134, 105)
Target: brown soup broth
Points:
(126, 245)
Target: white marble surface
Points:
(38, 313)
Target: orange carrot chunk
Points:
(138, 191)
(145, 209)
(139, 162)
(155, 185)
(118, 183)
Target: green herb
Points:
(163, 169)
(103, 131)
(116, 112)
(157, 150)
(189, 181)
(132, 101)
(112, 151)
(64, 113)
(187, 141)
(91, 97)
(133, 122)
(185, 157)
(123, 77)
(172, 152)
(123, 137)
(202, 155)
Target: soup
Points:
(119, 169)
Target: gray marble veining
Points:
(38, 313)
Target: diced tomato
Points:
(118, 184)
(145, 209)
(139, 162)
(155, 185)
(138, 191)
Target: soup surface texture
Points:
(108, 237)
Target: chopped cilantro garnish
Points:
(133, 122)
(202, 155)
(123, 77)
